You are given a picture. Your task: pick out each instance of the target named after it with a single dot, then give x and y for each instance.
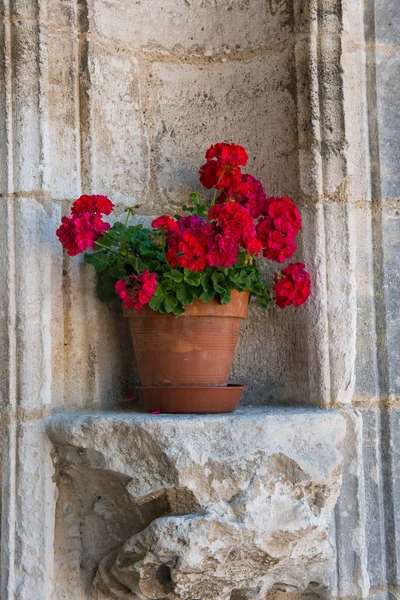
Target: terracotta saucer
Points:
(191, 399)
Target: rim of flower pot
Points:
(237, 307)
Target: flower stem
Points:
(128, 214)
(108, 248)
(215, 191)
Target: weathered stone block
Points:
(204, 28)
(28, 502)
(62, 15)
(341, 305)
(30, 317)
(269, 341)
(248, 498)
(64, 135)
(388, 116)
(26, 124)
(350, 518)
(91, 372)
(374, 506)
(390, 440)
(119, 163)
(387, 22)
(366, 355)
(198, 105)
(308, 116)
(4, 109)
(25, 8)
(391, 258)
(358, 184)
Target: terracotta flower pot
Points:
(194, 349)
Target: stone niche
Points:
(216, 507)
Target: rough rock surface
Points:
(247, 499)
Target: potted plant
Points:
(185, 284)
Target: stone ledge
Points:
(245, 499)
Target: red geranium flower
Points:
(284, 212)
(234, 220)
(79, 232)
(228, 154)
(215, 174)
(166, 223)
(191, 251)
(223, 250)
(278, 228)
(192, 222)
(218, 258)
(85, 225)
(222, 168)
(209, 174)
(293, 287)
(254, 246)
(92, 204)
(248, 191)
(139, 293)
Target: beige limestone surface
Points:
(244, 500)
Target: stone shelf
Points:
(220, 507)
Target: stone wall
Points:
(122, 98)
(143, 102)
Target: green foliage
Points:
(106, 287)
(198, 208)
(128, 250)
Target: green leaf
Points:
(192, 277)
(225, 297)
(99, 260)
(152, 265)
(206, 281)
(105, 240)
(185, 294)
(170, 302)
(241, 280)
(106, 288)
(118, 272)
(176, 275)
(157, 303)
(207, 296)
(179, 310)
(135, 262)
(118, 227)
(264, 301)
(197, 291)
(138, 227)
(216, 279)
(167, 284)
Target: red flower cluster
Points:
(279, 220)
(293, 287)
(95, 204)
(278, 229)
(248, 191)
(193, 243)
(236, 225)
(222, 168)
(85, 225)
(138, 294)
(242, 222)
(168, 224)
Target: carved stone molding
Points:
(221, 507)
